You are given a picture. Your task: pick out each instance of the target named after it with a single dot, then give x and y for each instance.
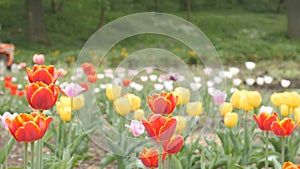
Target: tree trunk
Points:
(293, 14)
(36, 23)
(101, 20)
(189, 10)
(155, 5)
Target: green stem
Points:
(267, 150)
(160, 164)
(25, 155)
(40, 153)
(32, 155)
(283, 149)
(169, 161)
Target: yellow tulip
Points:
(183, 94)
(244, 102)
(235, 99)
(181, 123)
(135, 101)
(285, 110)
(78, 102)
(139, 114)
(230, 119)
(225, 108)
(297, 114)
(292, 99)
(122, 105)
(113, 92)
(254, 99)
(194, 108)
(276, 99)
(63, 108)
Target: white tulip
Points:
(234, 70)
(268, 79)
(236, 81)
(210, 83)
(158, 86)
(144, 78)
(197, 79)
(266, 109)
(250, 65)
(100, 76)
(153, 77)
(285, 83)
(250, 81)
(260, 81)
(217, 79)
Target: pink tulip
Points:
(38, 59)
(5, 116)
(136, 128)
(219, 97)
(73, 89)
(62, 72)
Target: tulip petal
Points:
(268, 122)
(42, 99)
(30, 132)
(288, 125)
(174, 145)
(150, 130)
(166, 132)
(42, 75)
(278, 129)
(157, 121)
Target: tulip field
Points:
(47, 121)
(148, 89)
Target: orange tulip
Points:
(163, 103)
(7, 81)
(150, 157)
(28, 127)
(265, 120)
(284, 127)
(42, 73)
(41, 96)
(160, 128)
(126, 82)
(174, 145)
(290, 165)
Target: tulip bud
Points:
(183, 95)
(113, 92)
(230, 119)
(235, 99)
(181, 123)
(276, 99)
(122, 105)
(285, 110)
(254, 98)
(78, 102)
(194, 108)
(135, 101)
(297, 114)
(225, 108)
(139, 114)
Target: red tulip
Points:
(290, 165)
(13, 89)
(126, 82)
(20, 93)
(92, 78)
(284, 127)
(160, 128)
(7, 81)
(28, 127)
(42, 73)
(87, 68)
(174, 145)
(163, 103)
(41, 96)
(150, 157)
(265, 120)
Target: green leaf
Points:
(174, 163)
(6, 149)
(108, 159)
(276, 164)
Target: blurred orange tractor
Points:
(7, 53)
